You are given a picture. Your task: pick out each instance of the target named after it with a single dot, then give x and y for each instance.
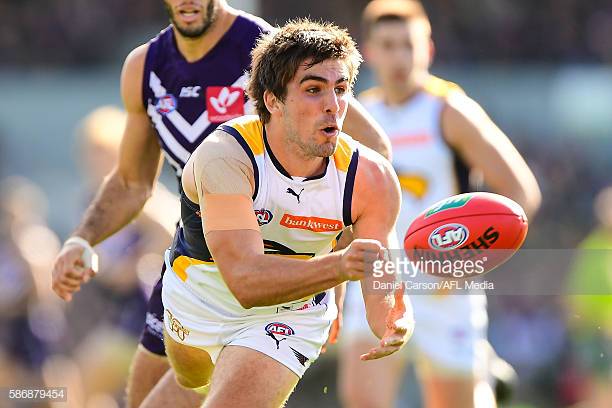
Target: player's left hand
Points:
(399, 329)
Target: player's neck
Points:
(194, 49)
(288, 155)
(395, 94)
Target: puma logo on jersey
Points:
(190, 91)
(293, 193)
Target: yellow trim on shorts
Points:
(343, 154)
(252, 132)
(180, 265)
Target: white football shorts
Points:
(201, 312)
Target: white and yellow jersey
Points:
(298, 217)
(427, 167)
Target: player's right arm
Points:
(223, 177)
(124, 191)
(484, 146)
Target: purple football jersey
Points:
(186, 101)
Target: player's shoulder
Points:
(138, 54)
(255, 23)
(248, 131)
(135, 60)
(247, 28)
(442, 88)
(373, 169)
(220, 144)
(371, 96)
(131, 77)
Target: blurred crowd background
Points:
(542, 69)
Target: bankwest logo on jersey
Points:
(224, 103)
(315, 224)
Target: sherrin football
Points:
(484, 227)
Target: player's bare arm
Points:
(256, 279)
(377, 200)
(483, 146)
(363, 128)
(124, 191)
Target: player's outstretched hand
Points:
(400, 326)
(74, 265)
(358, 258)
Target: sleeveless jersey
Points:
(298, 217)
(427, 167)
(187, 101)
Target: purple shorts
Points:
(152, 337)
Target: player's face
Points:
(192, 18)
(315, 107)
(398, 51)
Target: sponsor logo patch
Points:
(315, 224)
(224, 103)
(166, 104)
(448, 236)
(301, 358)
(177, 327)
(279, 332)
(190, 91)
(263, 216)
(293, 193)
(448, 204)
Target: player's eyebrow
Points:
(321, 79)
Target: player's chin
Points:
(328, 149)
(190, 30)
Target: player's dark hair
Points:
(278, 56)
(384, 11)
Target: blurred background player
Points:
(438, 135)
(591, 307)
(31, 321)
(184, 82)
(116, 301)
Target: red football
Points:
(480, 226)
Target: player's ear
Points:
(271, 101)
(432, 51)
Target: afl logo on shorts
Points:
(278, 332)
(448, 236)
(166, 104)
(263, 216)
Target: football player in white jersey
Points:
(198, 27)
(438, 136)
(248, 293)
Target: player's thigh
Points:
(193, 366)
(447, 392)
(368, 384)
(263, 381)
(168, 393)
(443, 387)
(145, 371)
